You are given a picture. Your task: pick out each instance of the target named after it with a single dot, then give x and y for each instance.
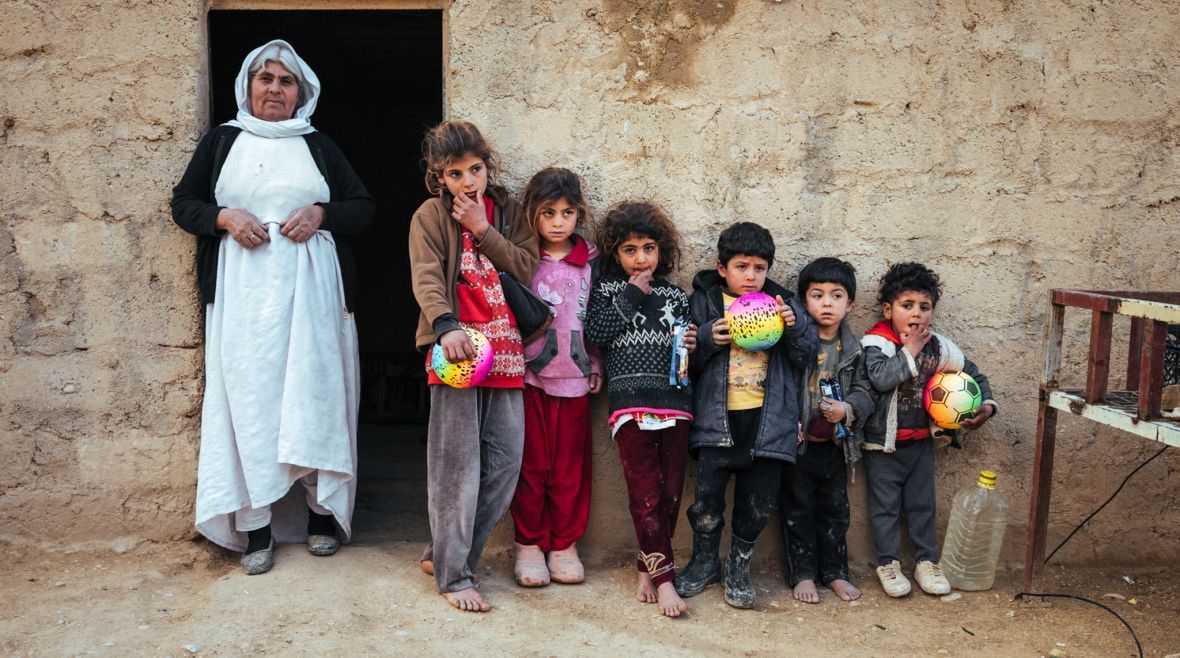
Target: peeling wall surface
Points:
(1013, 146)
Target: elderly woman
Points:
(269, 199)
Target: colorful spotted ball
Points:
(951, 398)
(464, 374)
(754, 322)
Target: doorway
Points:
(382, 78)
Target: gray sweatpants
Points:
(902, 483)
(473, 449)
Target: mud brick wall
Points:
(1013, 146)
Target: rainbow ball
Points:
(754, 322)
(951, 398)
(464, 374)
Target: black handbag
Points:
(533, 314)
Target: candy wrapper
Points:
(678, 373)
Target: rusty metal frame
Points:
(1135, 410)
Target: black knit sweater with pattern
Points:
(634, 329)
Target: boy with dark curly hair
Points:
(901, 355)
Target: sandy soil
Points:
(370, 598)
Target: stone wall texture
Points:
(1013, 146)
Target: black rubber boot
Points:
(739, 591)
(704, 568)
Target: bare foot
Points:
(467, 600)
(427, 567)
(646, 591)
(844, 589)
(805, 591)
(671, 605)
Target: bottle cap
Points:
(987, 479)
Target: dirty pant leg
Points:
(918, 498)
(797, 516)
(707, 512)
(653, 468)
(755, 492)
(832, 516)
(253, 518)
(815, 515)
(474, 443)
(551, 505)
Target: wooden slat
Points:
(1082, 299)
(1098, 364)
(1151, 370)
(1054, 329)
(1138, 308)
(1161, 296)
(1127, 420)
(1152, 305)
(1042, 485)
(1135, 352)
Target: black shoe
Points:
(321, 534)
(259, 556)
(703, 568)
(739, 590)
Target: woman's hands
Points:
(242, 226)
(302, 223)
(472, 215)
(247, 231)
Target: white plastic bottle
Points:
(975, 535)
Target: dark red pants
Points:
(552, 501)
(653, 466)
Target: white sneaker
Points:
(930, 578)
(894, 583)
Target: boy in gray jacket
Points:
(901, 355)
(814, 501)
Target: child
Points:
(901, 355)
(633, 310)
(552, 501)
(458, 241)
(814, 499)
(747, 412)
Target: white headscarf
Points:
(309, 86)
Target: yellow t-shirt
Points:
(747, 373)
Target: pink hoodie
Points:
(562, 360)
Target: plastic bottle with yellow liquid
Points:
(975, 535)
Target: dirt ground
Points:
(174, 600)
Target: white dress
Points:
(281, 361)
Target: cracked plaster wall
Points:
(1014, 146)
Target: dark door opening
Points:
(382, 77)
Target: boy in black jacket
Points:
(814, 501)
(746, 422)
